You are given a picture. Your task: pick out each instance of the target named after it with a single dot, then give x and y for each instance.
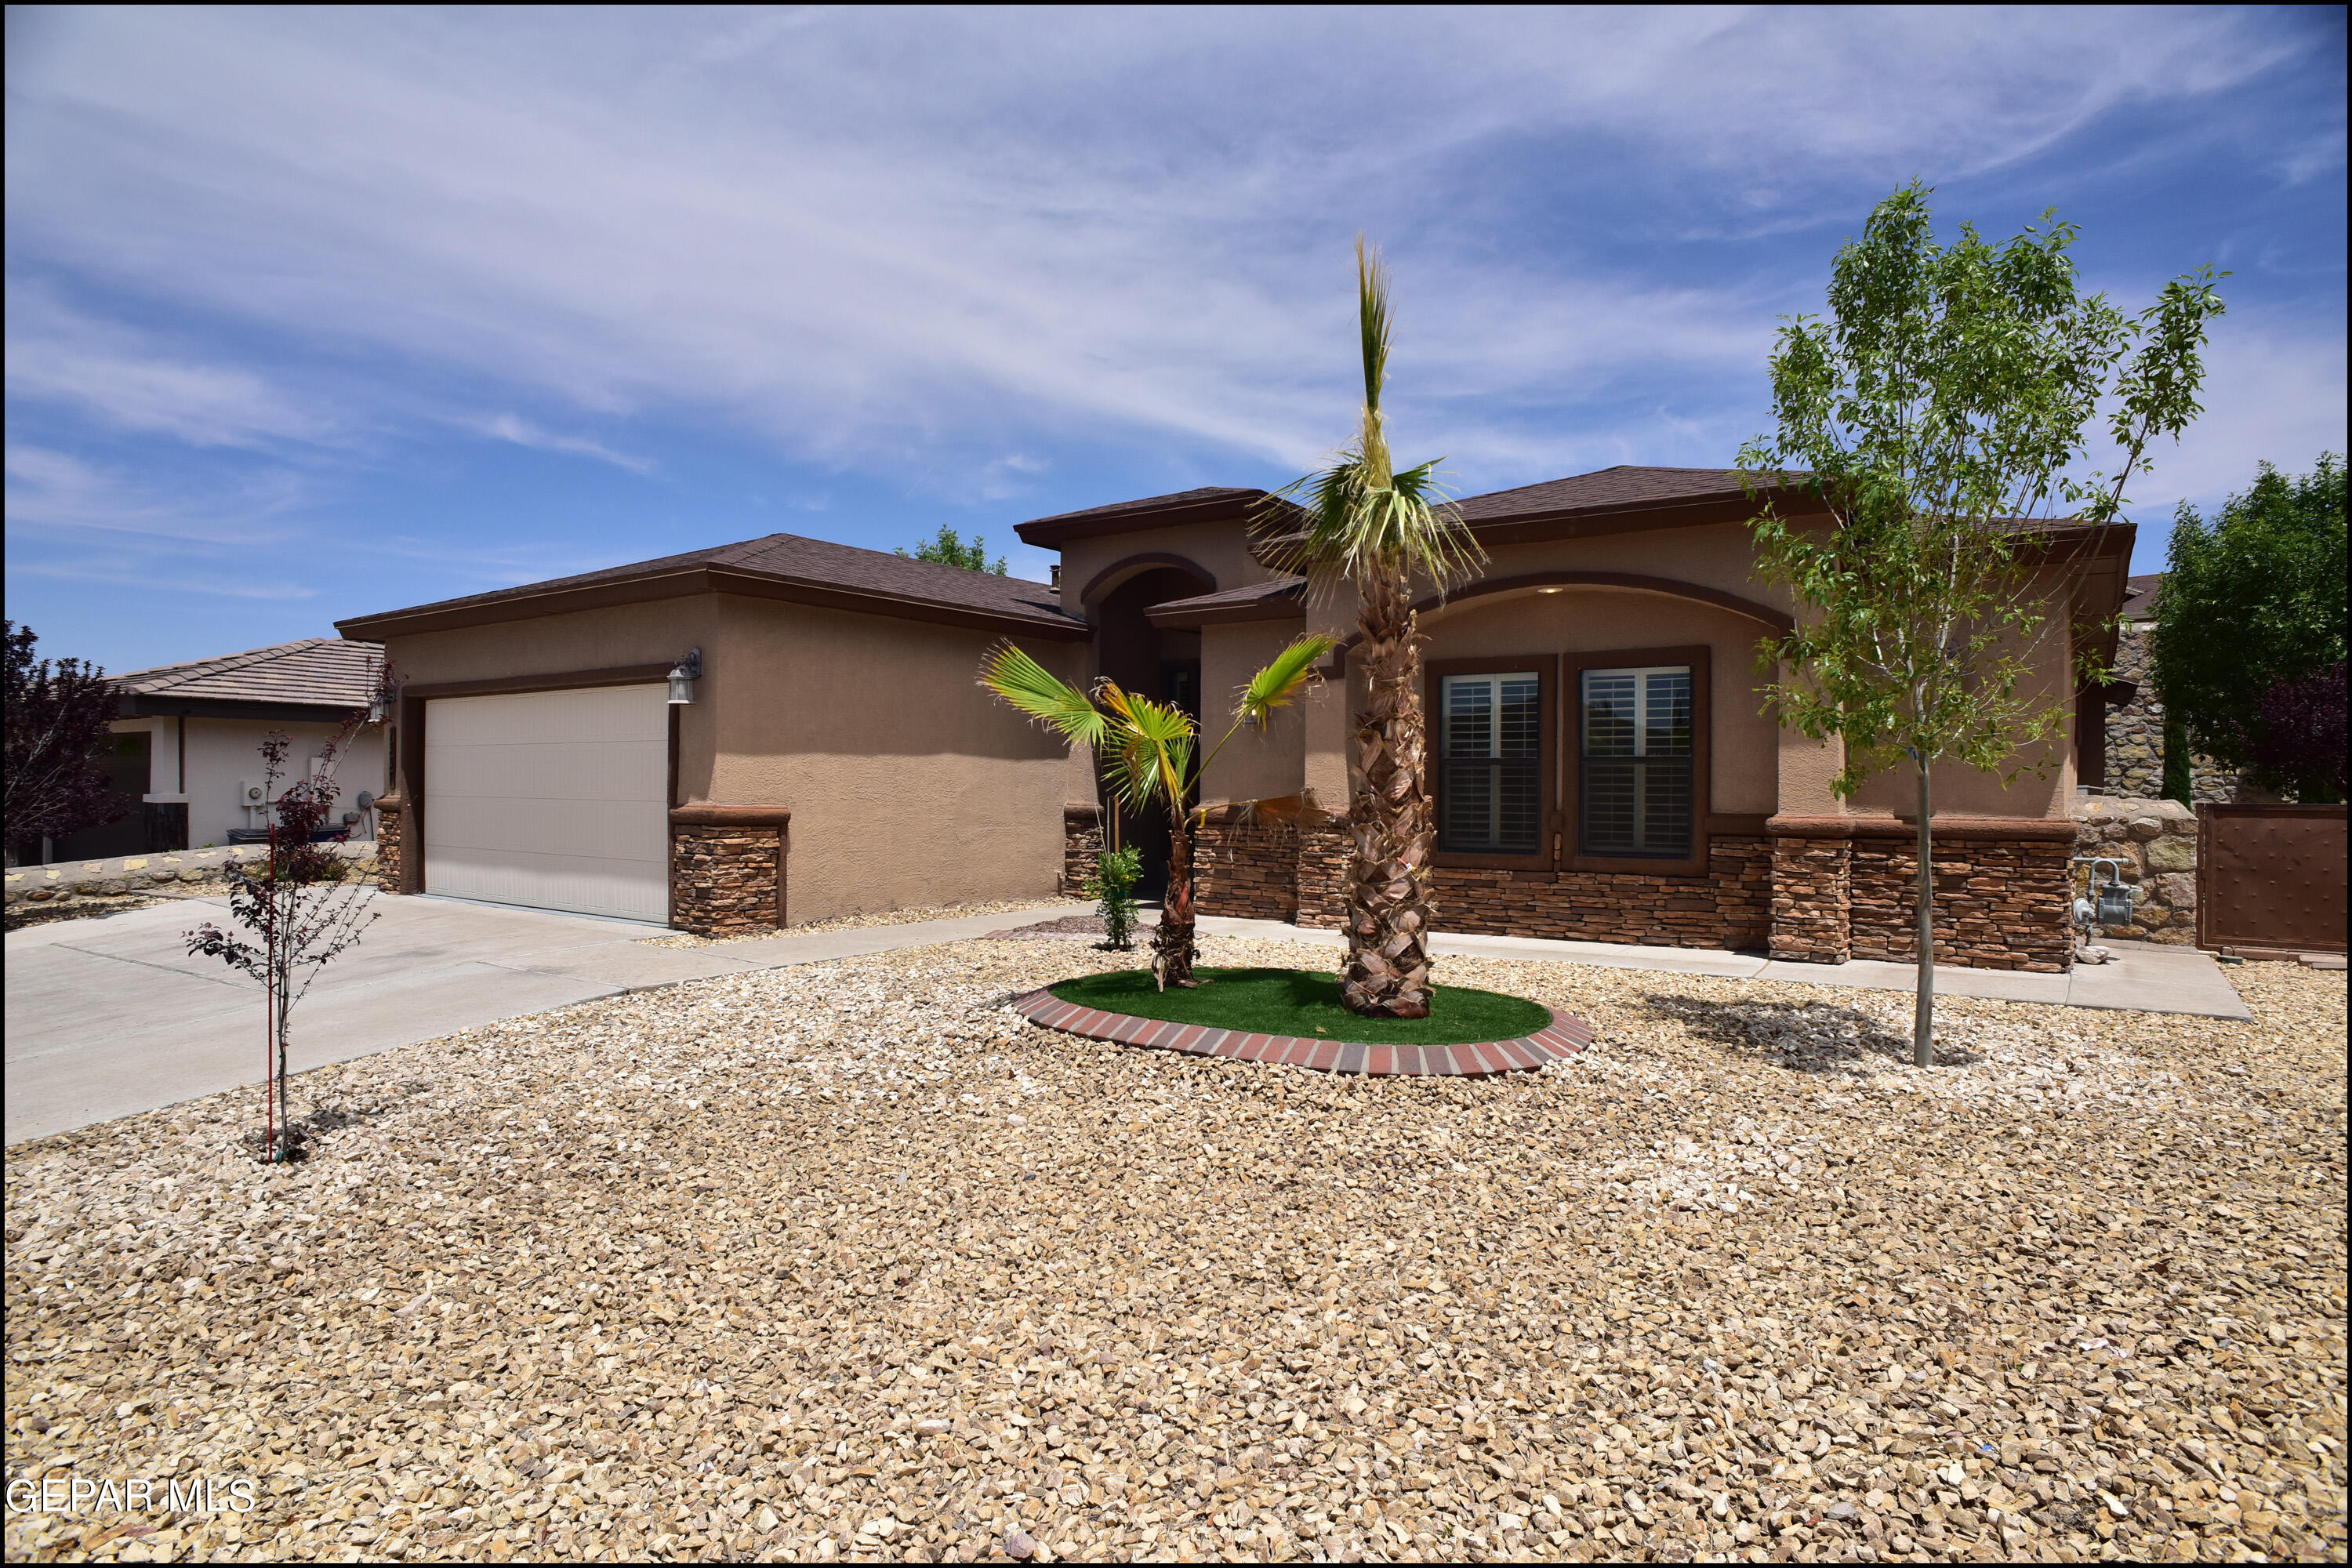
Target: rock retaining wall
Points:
(1082, 841)
(125, 874)
(1246, 868)
(2157, 840)
(2136, 733)
(726, 880)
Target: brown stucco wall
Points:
(908, 783)
(1258, 765)
(1219, 548)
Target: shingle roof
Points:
(327, 671)
(1625, 484)
(1251, 602)
(2139, 595)
(790, 557)
(1200, 497)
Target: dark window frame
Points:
(1546, 668)
(1699, 657)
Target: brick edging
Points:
(1556, 1041)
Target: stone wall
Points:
(2136, 733)
(1812, 903)
(1246, 868)
(2000, 903)
(1082, 841)
(726, 881)
(1818, 891)
(1730, 906)
(2157, 840)
(389, 820)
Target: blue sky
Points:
(318, 312)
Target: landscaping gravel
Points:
(848, 1261)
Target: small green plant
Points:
(1113, 885)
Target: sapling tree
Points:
(1939, 416)
(58, 714)
(299, 910)
(1113, 887)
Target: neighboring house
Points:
(1603, 768)
(2135, 727)
(186, 754)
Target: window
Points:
(1490, 764)
(1636, 757)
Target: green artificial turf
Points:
(1304, 1002)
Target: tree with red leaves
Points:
(300, 910)
(58, 716)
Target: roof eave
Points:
(1289, 605)
(700, 579)
(1050, 534)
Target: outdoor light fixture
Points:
(682, 676)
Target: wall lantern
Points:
(682, 676)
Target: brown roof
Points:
(783, 565)
(327, 672)
(1210, 503)
(2139, 595)
(1623, 486)
(1276, 600)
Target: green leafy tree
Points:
(1150, 753)
(1368, 525)
(2253, 601)
(948, 549)
(1939, 415)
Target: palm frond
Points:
(1362, 519)
(1280, 682)
(1029, 686)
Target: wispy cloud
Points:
(53, 493)
(523, 432)
(900, 244)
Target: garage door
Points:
(554, 799)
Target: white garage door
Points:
(554, 799)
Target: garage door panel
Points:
(592, 829)
(628, 772)
(552, 799)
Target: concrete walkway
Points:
(110, 1016)
(2143, 979)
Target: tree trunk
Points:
(1172, 951)
(1922, 1018)
(1390, 818)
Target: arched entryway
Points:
(1150, 662)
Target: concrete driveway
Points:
(110, 1016)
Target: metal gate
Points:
(2271, 876)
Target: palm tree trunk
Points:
(1391, 819)
(1172, 951)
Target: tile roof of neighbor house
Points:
(787, 558)
(327, 672)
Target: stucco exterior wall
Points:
(908, 783)
(224, 752)
(1221, 549)
(1258, 765)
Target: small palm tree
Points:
(1378, 529)
(1149, 749)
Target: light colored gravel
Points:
(848, 1261)
(882, 918)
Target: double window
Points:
(1632, 792)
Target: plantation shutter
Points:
(1634, 754)
(1490, 764)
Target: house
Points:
(1603, 766)
(186, 747)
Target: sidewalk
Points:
(2142, 979)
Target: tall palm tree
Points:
(1149, 749)
(1368, 524)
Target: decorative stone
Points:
(726, 881)
(2172, 855)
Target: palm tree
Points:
(1378, 529)
(1149, 750)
